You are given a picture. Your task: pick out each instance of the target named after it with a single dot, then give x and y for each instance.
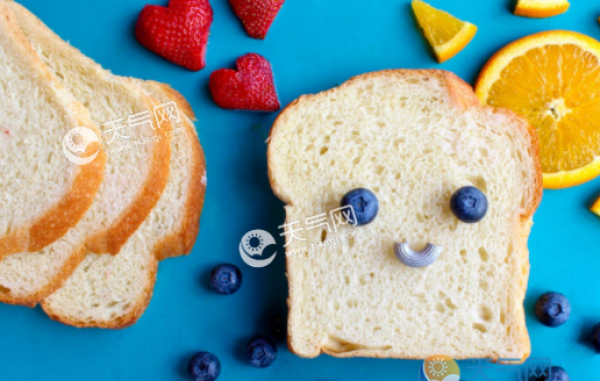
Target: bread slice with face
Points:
(412, 138)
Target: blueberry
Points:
(204, 366)
(469, 204)
(226, 279)
(595, 338)
(556, 374)
(261, 352)
(364, 203)
(552, 309)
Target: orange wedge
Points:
(541, 8)
(596, 207)
(552, 79)
(446, 34)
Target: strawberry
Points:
(256, 15)
(178, 32)
(251, 87)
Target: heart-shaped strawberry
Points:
(256, 15)
(178, 33)
(251, 87)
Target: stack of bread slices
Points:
(84, 240)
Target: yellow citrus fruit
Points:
(541, 8)
(446, 34)
(596, 207)
(553, 79)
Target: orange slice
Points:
(541, 8)
(446, 34)
(553, 79)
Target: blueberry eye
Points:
(469, 204)
(365, 206)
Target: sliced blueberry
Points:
(552, 309)
(204, 366)
(226, 279)
(261, 352)
(556, 374)
(469, 204)
(364, 203)
(595, 338)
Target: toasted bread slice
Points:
(134, 181)
(413, 138)
(42, 194)
(114, 291)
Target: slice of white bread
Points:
(134, 180)
(113, 291)
(413, 138)
(42, 194)
(180, 237)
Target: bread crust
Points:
(121, 322)
(175, 95)
(52, 285)
(58, 219)
(181, 241)
(178, 242)
(111, 239)
(67, 269)
(464, 97)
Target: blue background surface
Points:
(313, 45)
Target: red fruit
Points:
(256, 15)
(178, 33)
(250, 88)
